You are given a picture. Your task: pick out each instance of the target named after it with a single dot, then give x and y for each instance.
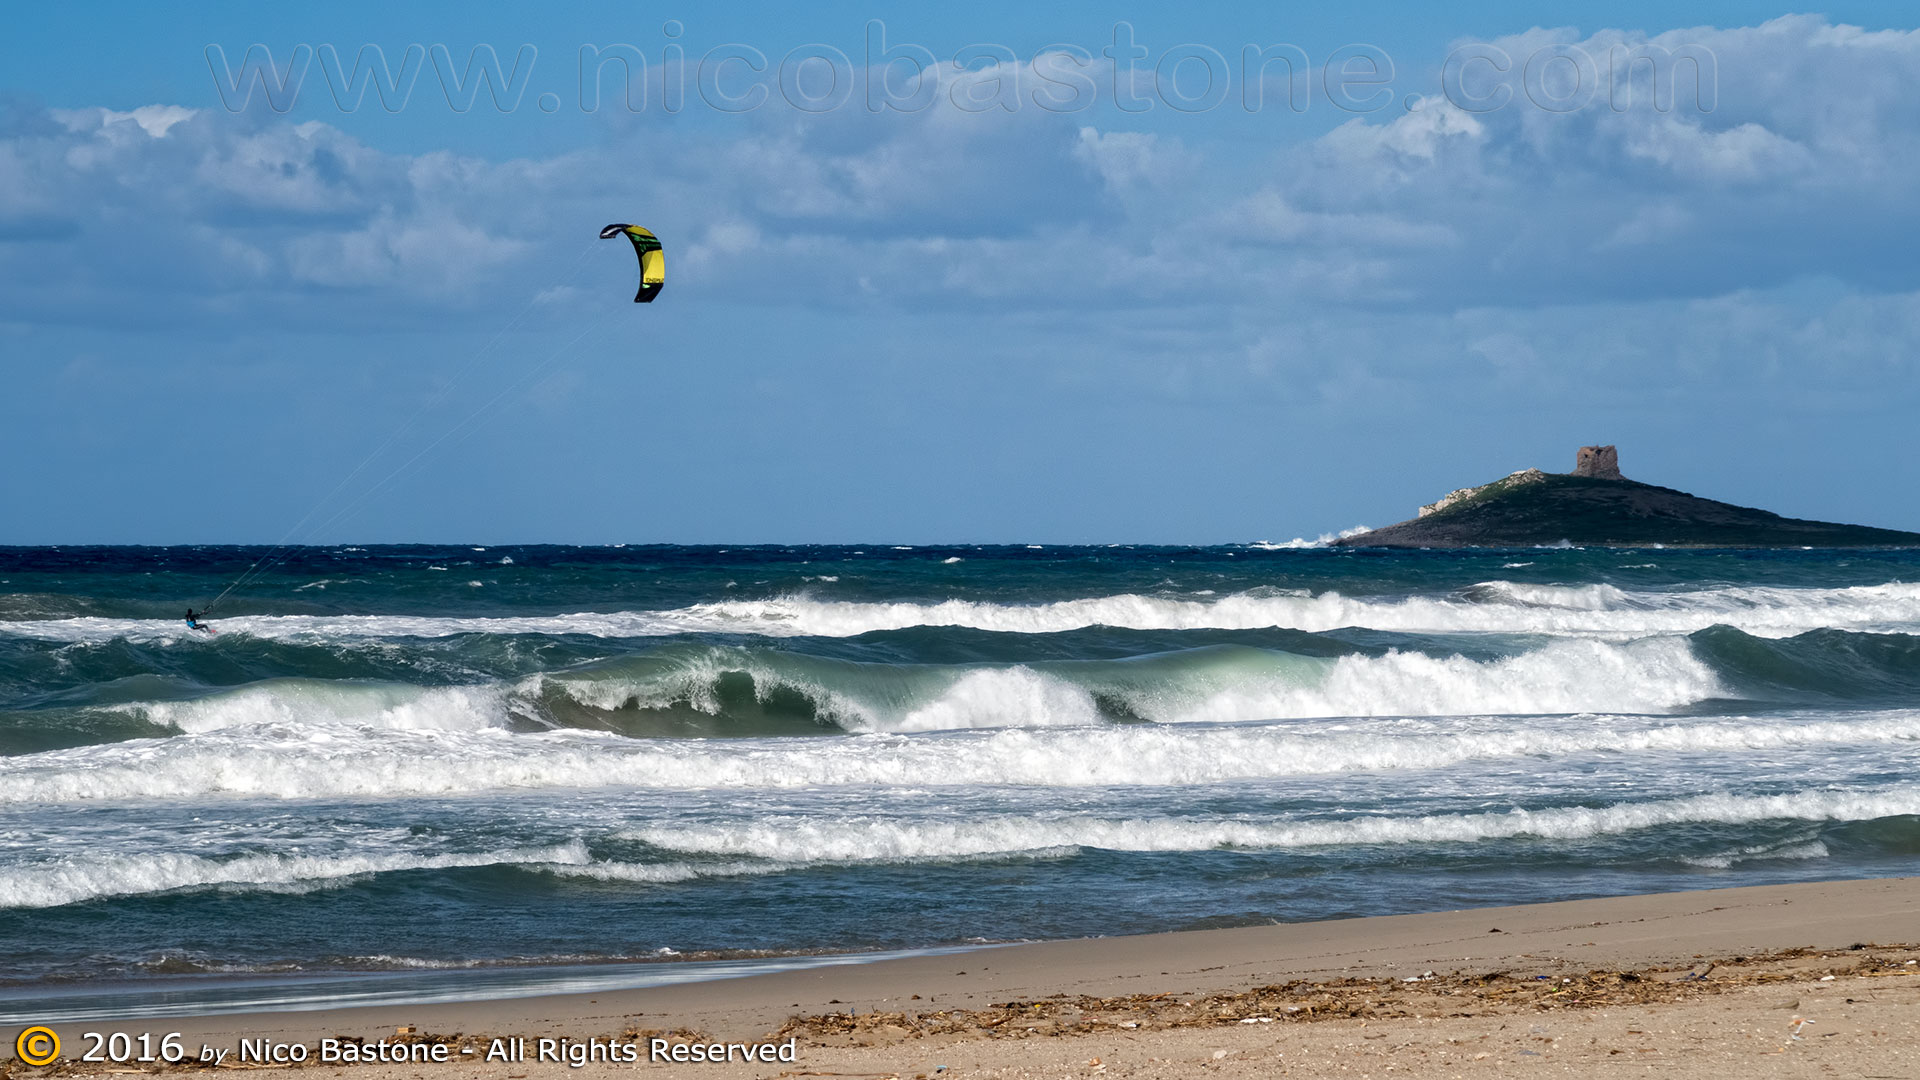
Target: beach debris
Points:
(1496, 930)
(1219, 1054)
(1698, 973)
(1353, 998)
(1418, 978)
(1794, 1028)
(1826, 978)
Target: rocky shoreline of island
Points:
(1596, 506)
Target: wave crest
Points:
(1500, 607)
(813, 839)
(369, 762)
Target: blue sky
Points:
(1154, 313)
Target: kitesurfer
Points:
(194, 623)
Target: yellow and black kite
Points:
(653, 261)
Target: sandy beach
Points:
(1591, 987)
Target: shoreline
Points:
(1535, 944)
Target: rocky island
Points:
(1595, 506)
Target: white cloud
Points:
(1127, 159)
(1656, 223)
(154, 120)
(1420, 134)
(1267, 216)
(1807, 167)
(1747, 152)
(425, 255)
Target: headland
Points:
(1596, 506)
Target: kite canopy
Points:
(653, 261)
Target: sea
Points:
(445, 772)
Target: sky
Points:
(1065, 273)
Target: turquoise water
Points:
(462, 763)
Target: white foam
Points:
(1655, 675)
(1301, 543)
(660, 873)
(307, 702)
(799, 839)
(74, 878)
(857, 697)
(1492, 607)
(414, 963)
(1000, 697)
(1725, 860)
(326, 762)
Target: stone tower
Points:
(1599, 462)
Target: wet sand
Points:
(1588, 987)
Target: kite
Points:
(653, 261)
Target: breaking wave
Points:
(815, 839)
(781, 843)
(335, 762)
(1493, 607)
(1218, 684)
(704, 690)
(86, 877)
(305, 702)
(1500, 607)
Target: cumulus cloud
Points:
(1404, 143)
(1748, 152)
(1805, 167)
(1129, 160)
